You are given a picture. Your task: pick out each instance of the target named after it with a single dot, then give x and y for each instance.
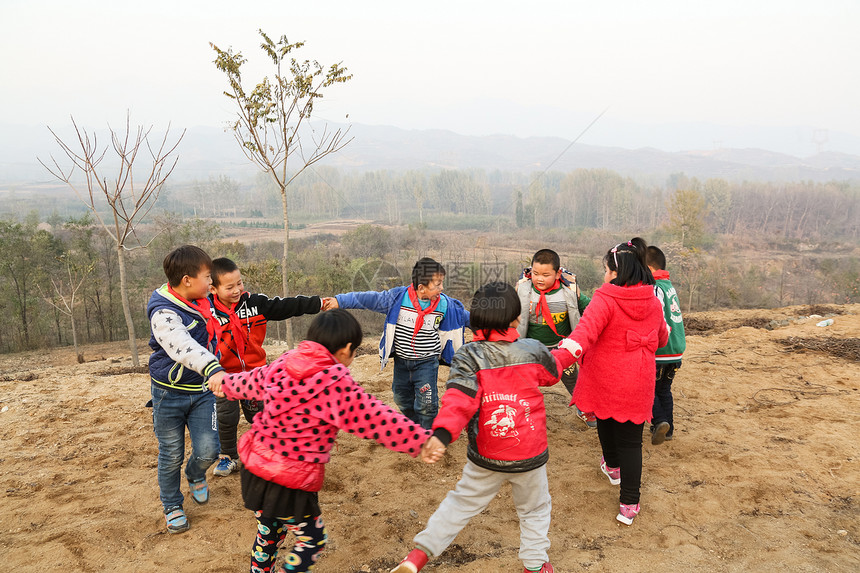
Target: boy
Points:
(421, 325)
(243, 317)
(184, 343)
(551, 305)
(669, 356)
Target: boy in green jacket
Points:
(669, 356)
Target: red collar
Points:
(508, 335)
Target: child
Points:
(243, 317)
(615, 344)
(669, 356)
(184, 346)
(421, 325)
(493, 391)
(308, 395)
(551, 305)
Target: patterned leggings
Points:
(310, 541)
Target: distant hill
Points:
(207, 151)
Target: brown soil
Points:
(763, 473)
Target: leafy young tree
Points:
(271, 117)
(687, 216)
(128, 197)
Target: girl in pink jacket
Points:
(615, 343)
(307, 395)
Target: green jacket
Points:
(674, 349)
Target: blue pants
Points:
(415, 391)
(664, 404)
(172, 412)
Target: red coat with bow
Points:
(618, 335)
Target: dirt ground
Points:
(763, 473)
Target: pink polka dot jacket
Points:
(307, 397)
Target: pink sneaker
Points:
(626, 513)
(545, 568)
(614, 474)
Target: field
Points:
(763, 473)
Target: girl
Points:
(308, 395)
(493, 390)
(615, 342)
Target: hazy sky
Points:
(475, 67)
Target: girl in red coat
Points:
(615, 343)
(308, 395)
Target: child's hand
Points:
(329, 303)
(215, 383)
(432, 450)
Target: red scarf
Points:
(203, 307)
(543, 305)
(422, 312)
(660, 275)
(239, 330)
(509, 335)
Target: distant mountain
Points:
(209, 151)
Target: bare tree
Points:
(270, 119)
(66, 293)
(129, 198)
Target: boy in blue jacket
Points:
(184, 358)
(422, 327)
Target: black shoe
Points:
(659, 435)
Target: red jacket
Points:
(618, 337)
(499, 381)
(254, 311)
(307, 397)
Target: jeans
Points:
(172, 412)
(664, 404)
(415, 391)
(622, 448)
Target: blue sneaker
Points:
(176, 521)
(199, 491)
(226, 466)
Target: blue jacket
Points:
(184, 354)
(388, 302)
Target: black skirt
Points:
(277, 501)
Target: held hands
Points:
(432, 450)
(215, 383)
(329, 303)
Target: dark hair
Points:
(222, 266)
(547, 257)
(628, 260)
(334, 329)
(423, 271)
(494, 307)
(655, 258)
(185, 260)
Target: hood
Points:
(307, 359)
(634, 301)
(162, 297)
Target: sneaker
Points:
(199, 491)
(626, 513)
(659, 434)
(176, 521)
(545, 568)
(614, 474)
(669, 437)
(226, 466)
(414, 562)
(588, 417)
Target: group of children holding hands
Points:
(208, 364)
